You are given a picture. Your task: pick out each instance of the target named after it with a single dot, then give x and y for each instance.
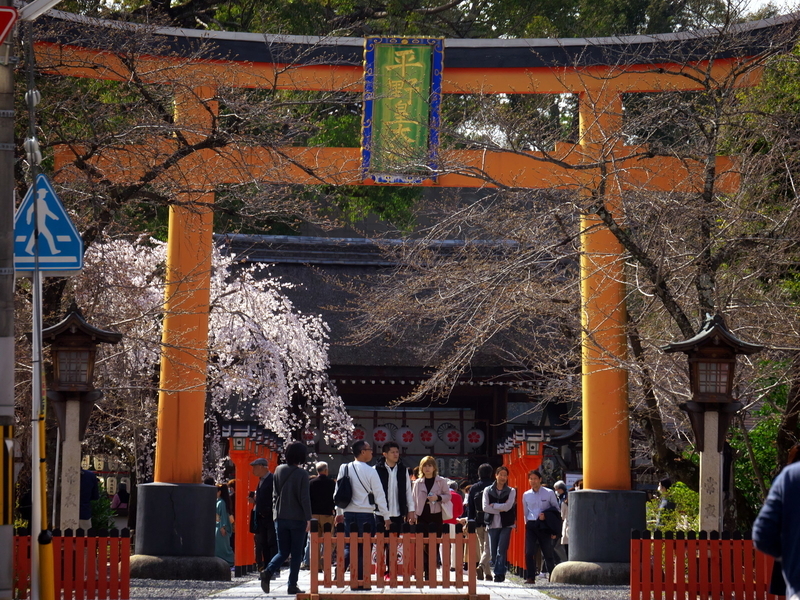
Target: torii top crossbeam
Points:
(545, 66)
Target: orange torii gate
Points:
(598, 71)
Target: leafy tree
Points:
(684, 517)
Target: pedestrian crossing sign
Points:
(59, 247)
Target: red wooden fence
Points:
(405, 570)
(683, 566)
(86, 567)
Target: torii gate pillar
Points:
(604, 513)
(171, 542)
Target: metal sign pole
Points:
(36, 403)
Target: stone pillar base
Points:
(600, 524)
(201, 568)
(591, 573)
(176, 519)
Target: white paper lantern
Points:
(475, 438)
(381, 435)
(451, 437)
(405, 436)
(428, 437)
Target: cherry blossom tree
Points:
(263, 353)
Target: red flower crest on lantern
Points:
(359, 433)
(380, 436)
(453, 436)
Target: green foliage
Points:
(685, 517)
(102, 513)
(393, 204)
(791, 284)
(762, 442)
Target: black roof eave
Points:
(744, 40)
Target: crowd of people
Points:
(388, 495)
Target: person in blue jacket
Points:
(776, 530)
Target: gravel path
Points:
(566, 591)
(159, 589)
(156, 589)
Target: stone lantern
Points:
(73, 347)
(712, 361)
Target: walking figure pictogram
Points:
(42, 212)
(63, 252)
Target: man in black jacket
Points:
(475, 513)
(397, 487)
(265, 539)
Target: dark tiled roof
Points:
(748, 39)
(320, 269)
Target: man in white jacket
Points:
(360, 513)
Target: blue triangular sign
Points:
(60, 246)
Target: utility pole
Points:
(7, 152)
(7, 155)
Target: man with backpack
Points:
(358, 495)
(475, 513)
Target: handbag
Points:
(344, 490)
(447, 510)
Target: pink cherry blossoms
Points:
(260, 348)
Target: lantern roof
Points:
(714, 331)
(73, 323)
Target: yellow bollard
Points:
(47, 584)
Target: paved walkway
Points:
(251, 589)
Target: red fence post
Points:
(22, 565)
(125, 565)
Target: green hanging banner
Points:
(402, 94)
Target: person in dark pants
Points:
(323, 509)
(397, 487)
(474, 513)
(367, 496)
(292, 516)
(265, 538)
(500, 508)
(535, 502)
(90, 491)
